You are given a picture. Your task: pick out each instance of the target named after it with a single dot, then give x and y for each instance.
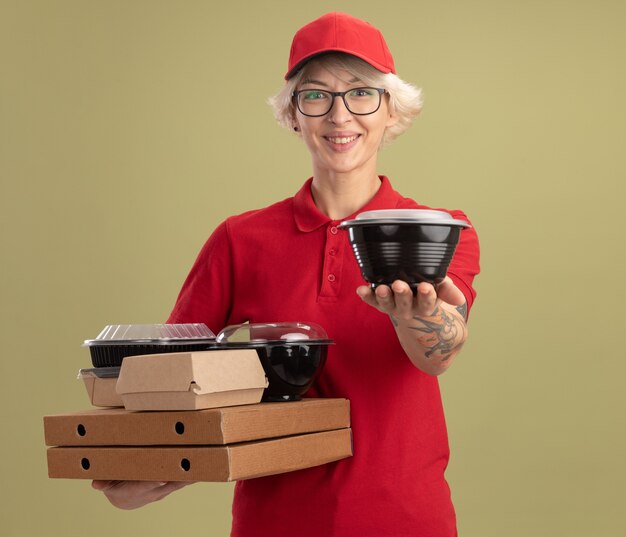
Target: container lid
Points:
(403, 216)
(100, 372)
(160, 334)
(285, 333)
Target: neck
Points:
(339, 195)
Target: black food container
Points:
(292, 354)
(413, 245)
(117, 341)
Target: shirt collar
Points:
(308, 217)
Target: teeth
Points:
(343, 140)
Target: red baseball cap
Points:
(341, 33)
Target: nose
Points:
(339, 113)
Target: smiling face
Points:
(341, 142)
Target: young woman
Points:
(289, 262)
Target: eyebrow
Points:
(314, 81)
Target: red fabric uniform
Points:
(289, 262)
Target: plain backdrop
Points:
(129, 129)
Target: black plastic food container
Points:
(292, 354)
(117, 341)
(412, 245)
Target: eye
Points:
(313, 95)
(362, 92)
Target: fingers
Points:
(426, 300)
(134, 494)
(382, 298)
(385, 299)
(367, 295)
(103, 485)
(404, 299)
(398, 299)
(450, 293)
(166, 489)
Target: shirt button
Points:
(331, 278)
(333, 230)
(332, 251)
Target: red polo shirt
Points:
(289, 262)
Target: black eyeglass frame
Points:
(342, 94)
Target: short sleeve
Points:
(206, 295)
(465, 264)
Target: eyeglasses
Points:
(358, 101)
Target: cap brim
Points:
(382, 68)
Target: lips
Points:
(342, 141)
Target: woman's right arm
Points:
(205, 297)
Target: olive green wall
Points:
(130, 129)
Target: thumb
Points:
(450, 293)
(103, 485)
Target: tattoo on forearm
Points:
(462, 309)
(441, 334)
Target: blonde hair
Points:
(405, 100)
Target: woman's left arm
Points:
(431, 326)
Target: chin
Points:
(348, 166)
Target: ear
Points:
(392, 119)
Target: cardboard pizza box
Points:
(217, 426)
(201, 463)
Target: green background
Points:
(130, 129)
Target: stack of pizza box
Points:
(192, 416)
